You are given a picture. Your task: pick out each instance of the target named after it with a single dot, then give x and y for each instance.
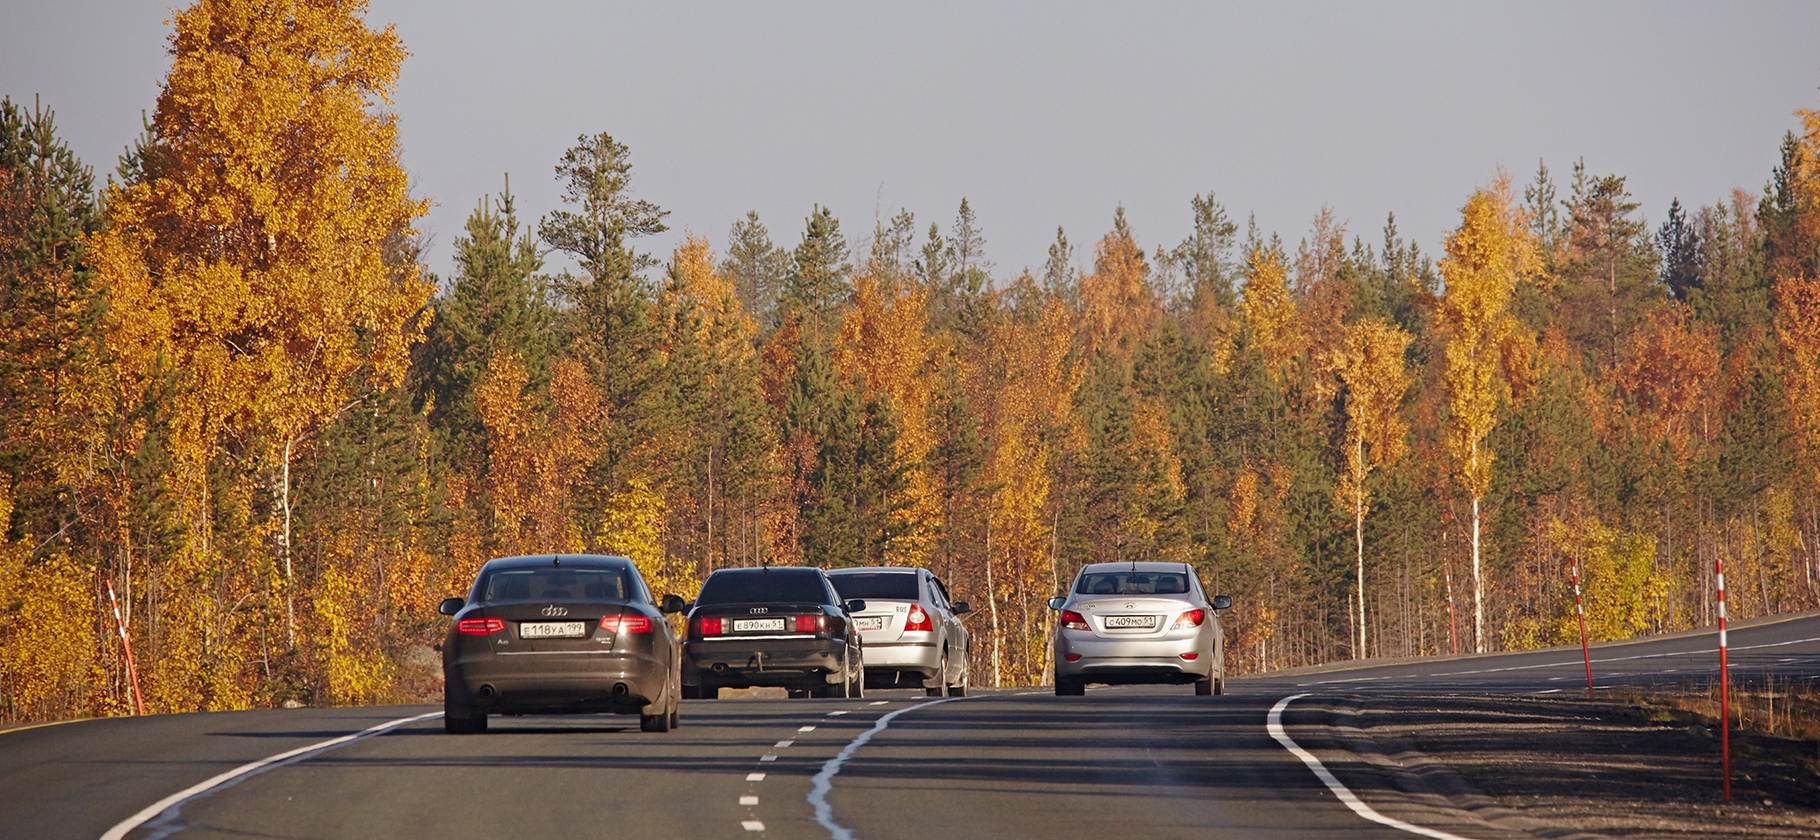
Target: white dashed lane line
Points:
(752, 825)
(748, 800)
(755, 777)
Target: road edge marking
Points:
(176, 800)
(823, 781)
(1274, 724)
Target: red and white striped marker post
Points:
(1725, 703)
(1585, 651)
(132, 671)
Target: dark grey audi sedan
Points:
(560, 634)
(773, 626)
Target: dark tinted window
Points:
(555, 584)
(899, 586)
(801, 586)
(1132, 583)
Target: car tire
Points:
(461, 720)
(1203, 688)
(859, 683)
(961, 689)
(1219, 685)
(1070, 686)
(940, 689)
(695, 692)
(654, 723)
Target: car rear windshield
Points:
(900, 586)
(1132, 583)
(556, 584)
(798, 586)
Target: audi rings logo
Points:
(553, 611)
(757, 610)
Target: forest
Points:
(245, 431)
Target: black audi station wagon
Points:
(772, 626)
(557, 634)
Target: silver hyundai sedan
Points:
(1125, 623)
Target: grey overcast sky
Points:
(1040, 113)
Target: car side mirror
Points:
(451, 606)
(961, 608)
(1056, 603)
(672, 604)
(1222, 602)
(855, 605)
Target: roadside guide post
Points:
(1725, 705)
(132, 671)
(1585, 652)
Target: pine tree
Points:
(755, 267)
(817, 285)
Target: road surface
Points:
(1158, 762)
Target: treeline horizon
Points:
(231, 391)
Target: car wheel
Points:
(654, 723)
(1219, 685)
(940, 689)
(959, 690)
(1069, 686)
(694, 692)
(859, 683)
(1203, 688)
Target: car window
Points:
(938, 594)
(555, 584)
(1132, 583)
(900, 586)
(769, 586)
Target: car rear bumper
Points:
(579, 682)
(923, 657)
(748, 662)
(1133, 661)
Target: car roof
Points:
(582, 561)
(901, 570)
(765, 570)
(1141, 566)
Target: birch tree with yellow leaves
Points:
(1486, 255)
(1369, 364)
(245, 255)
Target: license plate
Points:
(553, 630)
(757, 625)
(870, 622)
(1130, 622)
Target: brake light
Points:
(1073, 620)
(919, 620)
(708, 625)
(811, 623)
(1191, 656)
(1073, 657)
(480, 626)
(627, 623)
(1191, 618)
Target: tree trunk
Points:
(1478, 586)
(992, 601)
(290, 608)
(1358, 534)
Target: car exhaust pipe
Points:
(719, 668)
(486, 691)
(620, 690)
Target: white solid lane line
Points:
(1275, 725)
(823, 781)
(171, 803)
(1562, 664)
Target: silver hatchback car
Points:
(913, 632)
(1124, 623)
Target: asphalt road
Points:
(1159, 762)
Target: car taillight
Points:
(479, 626)
(1073, 620)
(1191, 618)
(1191, 656)
(627, 623)
(708, 625)
(811, 623)
(919, 620)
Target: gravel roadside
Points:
(1560, 768)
